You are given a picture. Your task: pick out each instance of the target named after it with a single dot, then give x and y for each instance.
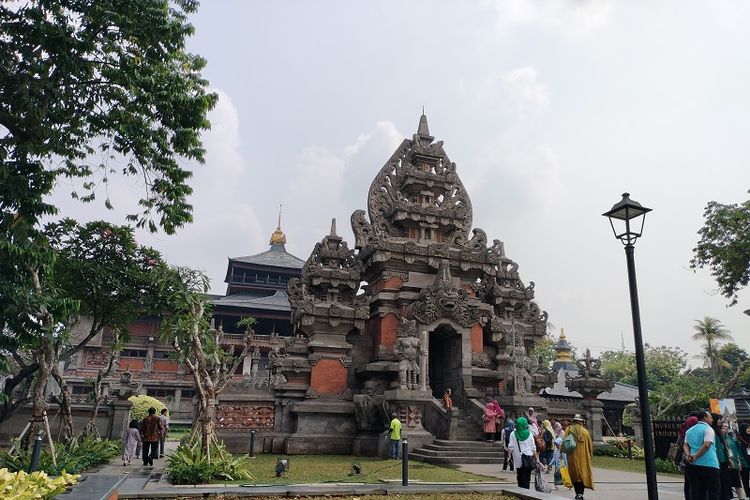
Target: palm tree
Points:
(711, 331)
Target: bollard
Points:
(404, 463)
(36, 454)
(252, 443)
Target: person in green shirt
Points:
(394, 432)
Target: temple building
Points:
(256, 286)
(423, 302)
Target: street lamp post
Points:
(623, 217)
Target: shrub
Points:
(666, 466)
(188, 465)
(77, 456)
(21, 486)
(619, 450)
(141, 404)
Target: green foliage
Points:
(142, 403)
(666, 466)
(544, 350)
(189, 465)
(663, 364)
(22, 486)
(684, 394)
(619, 450)
(79, 455)
(710, 331)
(89, 82)
(724, 246)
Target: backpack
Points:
(539, 442)
(569, 444)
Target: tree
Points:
(724, 246)
(683, 395)
(711, 332)
(544, 350)
(663, 364)
(212, 362)
(87, 90)
(107, 279)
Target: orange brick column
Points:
(328, 376)
(477, 341)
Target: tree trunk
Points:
(38, 400)
(91, 429)
(66, 405)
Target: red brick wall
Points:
(387, 331)
(328, 377)
(477, 342)
(393, 283)
(131, 364)
(165, 365)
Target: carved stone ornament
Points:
(480, 360)
(409, 351)
(417, 161)
(443, 299)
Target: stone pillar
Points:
(423, 361)
(594, 417)
(247, 364)
(120, 418)
(410, 408)
(148, 363)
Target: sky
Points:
(550, 110)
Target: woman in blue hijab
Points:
(510, 426)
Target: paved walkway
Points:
(609, 484)
(146, 482)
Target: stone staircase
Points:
(469, 447)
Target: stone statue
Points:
(408, 350)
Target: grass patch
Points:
(623, 464)
(175, 434)
(338, 468)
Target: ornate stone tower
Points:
(441, 309)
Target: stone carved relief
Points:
(443, 299)
(97, 358)
(481, 360)
(240, 417)
(385, 198)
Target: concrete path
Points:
(609, 484)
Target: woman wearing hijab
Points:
(510, 426)
(579, 462)
(743, 443)
(725, 492)
(557, 426)
(548, 433)
(689, 422)
(489, 422)
(735, 462)
(521, 443)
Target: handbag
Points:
(539, 483)
(569, 444)
(527, 461)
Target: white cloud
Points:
(571, 18)
(521, 85)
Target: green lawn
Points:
(624, 464)
(338, 468)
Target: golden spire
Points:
(278, 237)
(563, 349)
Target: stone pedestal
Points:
(323, 426)
(409, 405)
(120, 418)
(638, 429)
(594, 416)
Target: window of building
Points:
(187, 393)
(80, 389)
(428, 234)
(132, 353)
(160, 393)
(164, 355)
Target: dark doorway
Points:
(445, 362)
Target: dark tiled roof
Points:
(279, 301)
(277, 256)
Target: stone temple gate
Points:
(422, 303)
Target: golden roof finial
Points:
(278, 237)
(562, 333)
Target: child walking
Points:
(556, 462)
(130, 441)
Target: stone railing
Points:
(440, 422)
